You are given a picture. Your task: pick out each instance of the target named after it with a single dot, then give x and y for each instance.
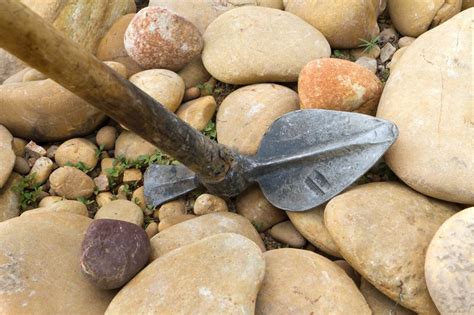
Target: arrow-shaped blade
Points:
(304, 159)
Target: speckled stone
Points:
(159, 38)
(113, 252)
(337, 84)
(449, 265)
(382, 230)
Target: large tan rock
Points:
(379, 303)
(302, 282)
(245, 115)
(45, 111)
(344, 23)
(414, 17)
(429, 96)
(383, 230)
(311, 225)
(202, 12)
(466, 4)
(253, 205)
(7, 155)
(39, 267)
(193, 230)
(163, 85)
(449, 265)
(277, 46)
(220, 274)
(111, 46)
(83, 21)
(9, 199)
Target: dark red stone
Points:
(113, 252)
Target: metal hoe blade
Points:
(305, 158)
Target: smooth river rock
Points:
(277, 46)
(7, 155)
(163, 85)
(337, 84)
(343, 22)
(449, 265)
(39, 267)
(113, 252)
(131, 146)
(159, 38)
(77, 150)
(414, 17)
(220, 274)
(45, 111)
(383, 230)
(71, 183)
(302, 282)
(245, 114)
(429, 96)
(311, 225)
(122, 210)
(202, 12)
(193, 230)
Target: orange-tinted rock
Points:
(158, 38)
(111, 47)
(338, 84)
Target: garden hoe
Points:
(305, 158)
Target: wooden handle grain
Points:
(24, 34)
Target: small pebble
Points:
(106, 137)
(113, 252)
(198, 112)
(18, 146)
(191, 93)
(152, 229)
(387, 52)
(388, 35)
(123, 210)
(104, 198)
(35, 151)
(71, 183)
(405, 41)
(138, 197)
(367, 62)
(101, 182)
(51, 151)
(41, 170)
(132, 175)
(171, 209)
(286, 233)
(75, 151)
(207, 203)
(21, 166)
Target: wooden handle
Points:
(24, 34)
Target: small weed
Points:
(384, 74)
(99, 150)
(205, 87)
(369, 45)
(85, 201)
(210, 131)
(137, 201)
(341, 55)
(258, 226)
(29, 192)
(79, 165)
